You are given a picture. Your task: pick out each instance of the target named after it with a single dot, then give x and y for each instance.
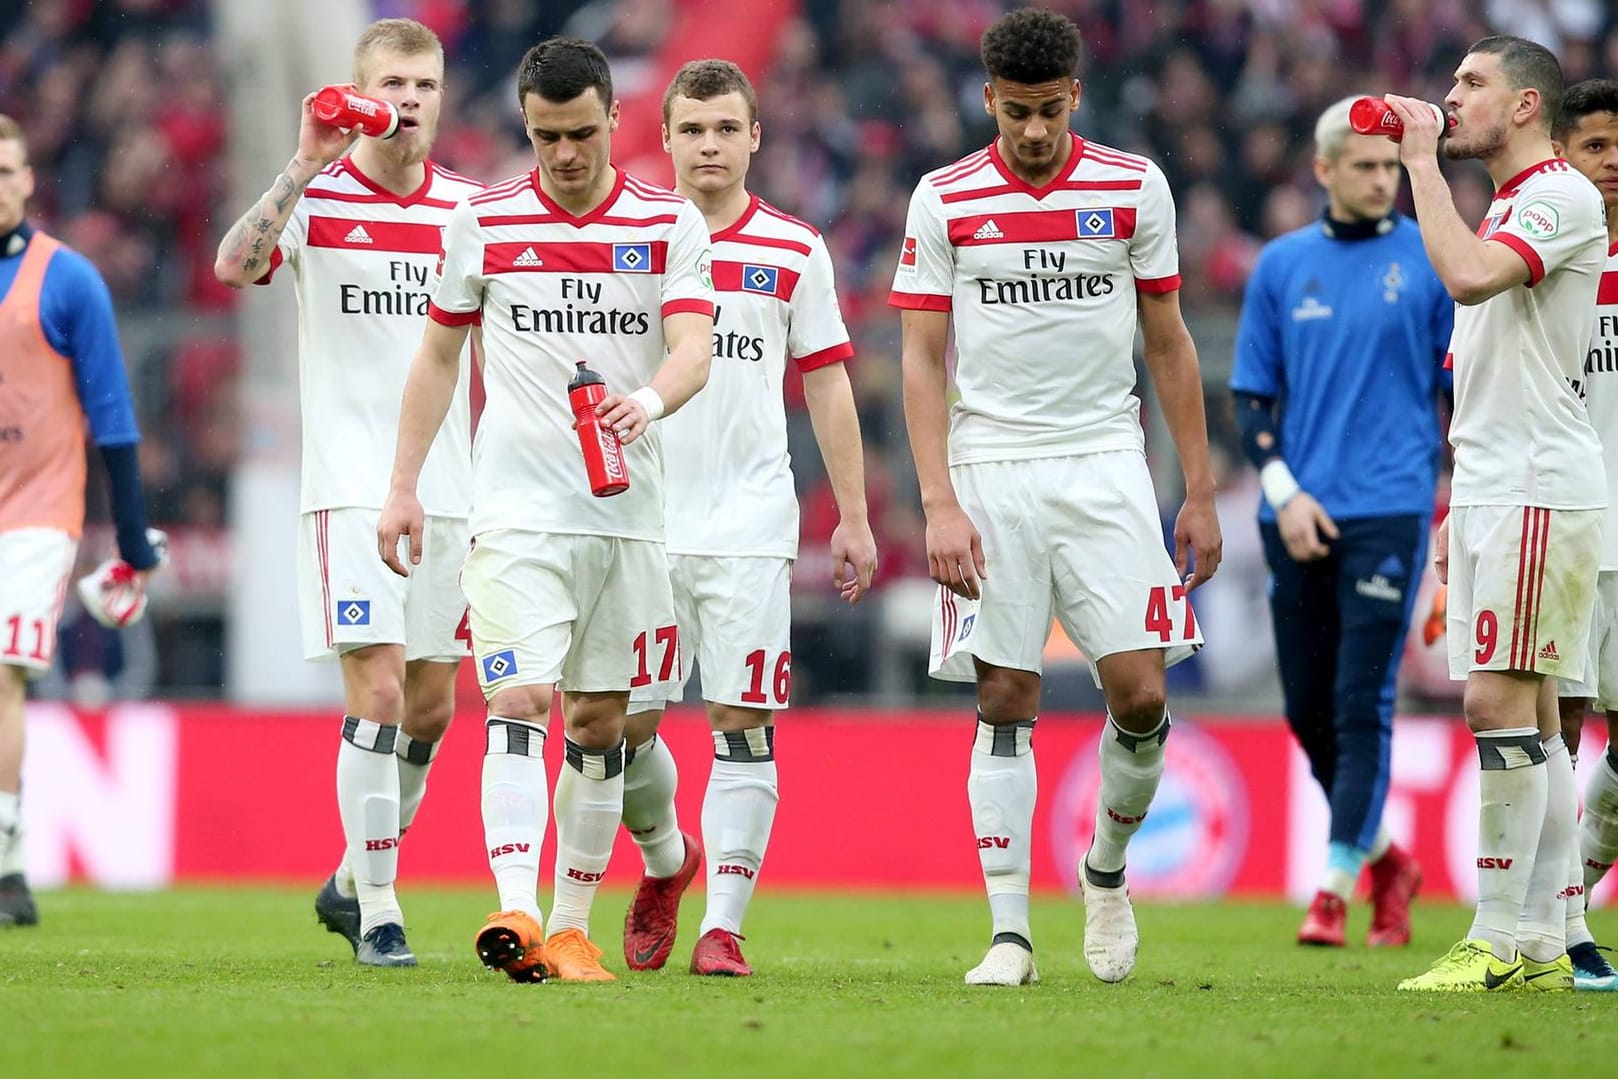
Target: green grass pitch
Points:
(241, 982)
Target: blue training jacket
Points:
(1349, 335)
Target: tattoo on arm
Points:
(257, 231)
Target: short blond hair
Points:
(11, 131)
(407, 37)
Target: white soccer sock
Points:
(1542, 928)
(738, 812)
(589, 806)
(368, 802)
(650, 779)
(415, 760)
(1380, 842)
(515, 807)
(1512, 792)
(10, 833)
(1001, 787)
(1131, 766)
(1577, 931)
(1598, 830)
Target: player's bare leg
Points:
(1002, 787)
(1131, 766)
(738, 811)
(589, 805)
(671, 857)
(16, 901)
(515, 807)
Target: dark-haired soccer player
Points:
(1339, 367)
(1587, 135)
(1522, 545)
(1047, 252)
(574, 260)
(733, 524)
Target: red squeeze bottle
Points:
(1373, 116)
(604, 462)
(341, 107)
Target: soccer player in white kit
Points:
(1049, 251)
(360, 235)
(574, 261)
(1587, 135)
(1522, 542)
(732, 518)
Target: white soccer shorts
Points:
(735, 622)
(581, 611)
(1522, 589)
(1600, 681)
(348, 598)
(1075, 538)
(35, 564)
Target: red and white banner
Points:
(146, 794)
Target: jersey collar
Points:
(15, 242)
(579, 219)
(1017, 183)
(732, 231)
(1357, 230)
(375, 188)
(1510, 186)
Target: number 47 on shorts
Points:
(1158, 619)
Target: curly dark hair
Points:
(559, 69)
(1031, 46)
(704, 80)
(1582, 99)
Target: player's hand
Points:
(853, 559)
(1198, 541)
(625, 415)
(1305, 525)
(1422, 128)
(1441, 552)
(955, 552)
(401, 516)
(320, 142)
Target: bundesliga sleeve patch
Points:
(1539, 220)
(353, 612)
(907, 257)
(499, 665)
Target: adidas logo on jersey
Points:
(358, 235)
(527, 258)
(988, 231)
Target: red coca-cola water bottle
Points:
(342, 107)
(604, 462)
(1374, 116)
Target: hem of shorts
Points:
(480, 530)
(698, 552)
(942, 675)
(31, 669)
(327, 507)
(1042, 452)
(520, 682)
(1186, 650)
(1525, 504)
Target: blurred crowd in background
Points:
(123, 104)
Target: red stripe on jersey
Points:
(1158, 285)
(1607, 291)
(1117, 158)
(758, 278)
(452, 318)
(276, 258)
(768, 241)
(1043, 226)
(355, 235)
(825, 357)
(1536, 266)
(1517, 621)
(372, 199)
(496, 220)
(788, 218)
(962, 168)
(1062, 185)
(577, 256)
(691, 306)
(918, 301)
(502, 190)
(649, 192)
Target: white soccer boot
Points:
(1006, 964)
(1110, 936)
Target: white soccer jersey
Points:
(730, 489)
(1521, 435)
(362, 260)
(554, 289)
(1601, 396)
(1042, 283)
